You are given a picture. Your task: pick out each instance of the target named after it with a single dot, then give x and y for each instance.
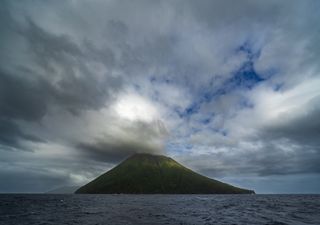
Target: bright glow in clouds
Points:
(135, 108)
(283, 105)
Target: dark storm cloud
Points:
(11, 135)
(71, 83)
(26, 96)
(26, 93)
(22, 97)
(78, 87)
(49, 48)
(304, 129)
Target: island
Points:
(156, 174)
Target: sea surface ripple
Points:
(45, 209)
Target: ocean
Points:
(45, 209)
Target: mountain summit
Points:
(152, 174)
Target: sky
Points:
(230, 89)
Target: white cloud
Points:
(134, 107)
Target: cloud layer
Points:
(231, 89)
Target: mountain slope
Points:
(150, 174)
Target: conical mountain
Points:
(151, 174)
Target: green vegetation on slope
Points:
(151, 174)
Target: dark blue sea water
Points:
(159, 209)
